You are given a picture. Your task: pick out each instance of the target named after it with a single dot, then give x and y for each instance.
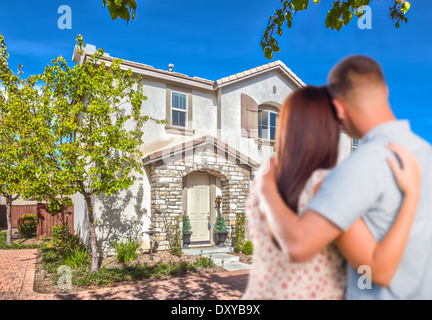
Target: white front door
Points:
(198, 206)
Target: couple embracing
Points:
(316, 227)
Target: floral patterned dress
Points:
(274, 276)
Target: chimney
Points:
(171, 66)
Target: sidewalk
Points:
(17, 270)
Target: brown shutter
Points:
(249, 117)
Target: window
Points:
(355, 144)
(178, 109)
(1, 200)
(267, 121)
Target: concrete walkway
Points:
(17, 271)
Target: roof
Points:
(180, 148)
(267, 67)
(197, 81)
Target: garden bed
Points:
(113, 273)
(19, 242)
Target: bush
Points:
(3, 238)
(27, 225)
(203, 262)
(126, 249)
(247, 247)
(76, 258)
(239, 231)
(70, 243)
(173, 235)
(58, 232)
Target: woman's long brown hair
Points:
(307, 138)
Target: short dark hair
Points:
(342, 77)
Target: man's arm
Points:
(300, 238)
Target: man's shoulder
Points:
(370, 154)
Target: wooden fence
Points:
(45, 220)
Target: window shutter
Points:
(249, 117)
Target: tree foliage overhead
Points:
(123, 9)
(341, 13)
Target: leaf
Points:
(268, 53)
(300, 5)
(339, 24)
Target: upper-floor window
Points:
(178, 109)
(267, 121)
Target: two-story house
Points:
(217, 135)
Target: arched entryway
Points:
(206, 171)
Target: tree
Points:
(17, 137)
(340, 14)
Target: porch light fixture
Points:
(218, 201)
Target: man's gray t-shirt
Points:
(363, 185)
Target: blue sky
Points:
(214, 39)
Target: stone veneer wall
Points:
(167, 185)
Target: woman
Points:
(306, 149)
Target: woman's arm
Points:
(359, 246)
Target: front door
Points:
(198, 206)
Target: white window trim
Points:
(181, 110)
(268, 125)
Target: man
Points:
(361, 186)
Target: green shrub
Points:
(239, 231)
(173, 235)
(66, 242)
(3, 238)
(247, 247)
(203, 262)
(76, 258)
(220, 225)
(27, 225)
(126, 249)
(58, 232)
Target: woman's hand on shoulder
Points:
(408, 173)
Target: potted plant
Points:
(221, 230)
(187, 231)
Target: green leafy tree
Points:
(94, 138)
(340, 13)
